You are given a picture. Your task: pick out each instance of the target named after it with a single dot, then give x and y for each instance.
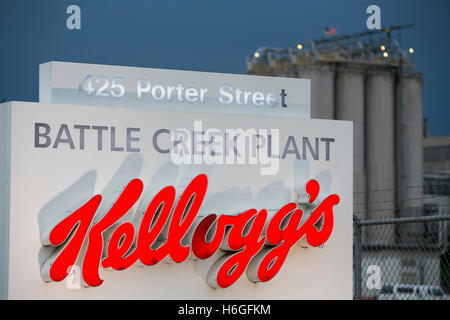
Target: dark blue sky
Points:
(209, 35)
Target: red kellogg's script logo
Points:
(243, 234)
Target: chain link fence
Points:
(402, 258)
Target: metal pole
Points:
(443, 234)
(357, 258)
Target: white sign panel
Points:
(58, 157)
(146, 88)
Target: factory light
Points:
(256, 54)
(382, 48)
(299, 46)
(385, 54)
(411, 50)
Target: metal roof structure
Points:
(370, 48)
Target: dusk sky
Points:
(208, 36)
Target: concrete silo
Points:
(412, 143)
(380, 165)
(350, 95)
(322, 90)
(409, 150)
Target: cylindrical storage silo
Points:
(409, 101)
(322, 90)
(350, 106)
(380, 160)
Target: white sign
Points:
(102, 85)
(59, 156)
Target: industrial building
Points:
(437, 194)
(437, 173)
(369, 79)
